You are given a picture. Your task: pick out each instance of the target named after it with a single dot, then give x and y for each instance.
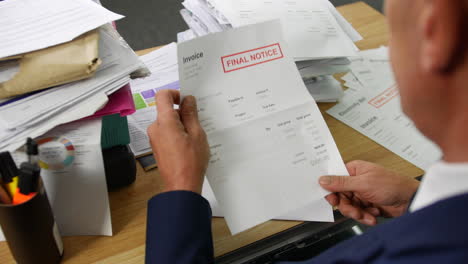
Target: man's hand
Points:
(179, 143)
(369, 192)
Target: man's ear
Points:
(440, 26)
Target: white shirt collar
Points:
(442, 181)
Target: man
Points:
(429, 54)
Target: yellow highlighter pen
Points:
(12, 186)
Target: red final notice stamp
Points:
(385, 97)
(251, 57)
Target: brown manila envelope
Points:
(64, 63)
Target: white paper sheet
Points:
(324, 89)
(317, 212)
(310, 28)
(316, 68)
(194, 23)
(165, 75)
(138, 123)
(29, 25)
(352, 82)
(215, 13)
(76, 181)
(8, 70)
(163, 66)
(199, 9)
(377, 115)
(269, 142)
(345, 25)
(372, 107)
(185, 35)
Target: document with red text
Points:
(372, 106)
(269, 142)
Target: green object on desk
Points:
(139, 101)
(114, 131)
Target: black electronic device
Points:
(120, 167)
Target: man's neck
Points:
(455, 139)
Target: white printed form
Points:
(377, 114)
(269, 142)
(310, 28)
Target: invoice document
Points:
(165, 75)
(269, 143)
(310, 28)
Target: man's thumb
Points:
(339, 183)
(189, 114)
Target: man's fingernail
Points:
(325, 180)
(190, 101)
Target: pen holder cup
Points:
(30, 230)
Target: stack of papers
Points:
(32, 115)
(315, 32)
(371, 105)
(36, 114)
(46, 43)
(70, 154)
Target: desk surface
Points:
(128, 206)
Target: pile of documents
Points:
(62, 67)
(57, 65)
(371, 105)
(319, 37)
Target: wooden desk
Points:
(128, 206)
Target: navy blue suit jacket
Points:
(179, 231)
